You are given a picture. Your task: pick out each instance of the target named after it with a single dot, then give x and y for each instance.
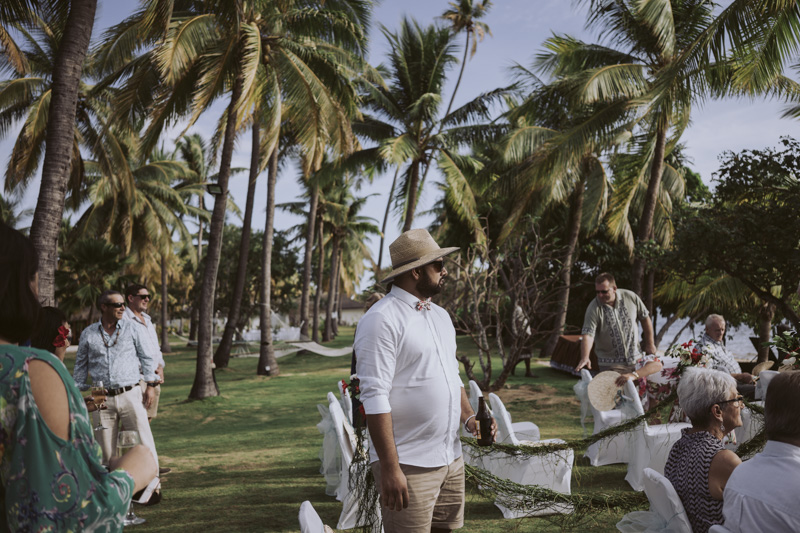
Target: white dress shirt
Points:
(148, 335)
(761, 494)
(406, 363)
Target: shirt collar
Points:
(131, 315)
(119, 324)
(781, 449)
(404, 296)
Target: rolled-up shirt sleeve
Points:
(591, 320)
(375, 346)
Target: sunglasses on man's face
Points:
(115, 305)
(143, 296)
(438, 265)
(603, 292)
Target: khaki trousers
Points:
(125, 411)
(435, 499)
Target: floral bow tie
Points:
(424, 305)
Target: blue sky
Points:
(519, 28)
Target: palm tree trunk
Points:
(205, 384)
(649, 209)
(320, 275)
(562, 298)
(194, 319)
(267, 363)
(59, 142)
(309, 250)
(165, 347)
(411, 201)
(766, 313)
(223, 353)
(385, 220)
(337, 303)
(328, 335)
(458, 81)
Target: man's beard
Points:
(427, 287)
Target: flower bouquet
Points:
(688, 354)
(788, 345)
(359, 416)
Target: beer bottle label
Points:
(478, 429)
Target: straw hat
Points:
(413, 249)
(766, 365)
(603, 390)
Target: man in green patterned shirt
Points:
(610, 326)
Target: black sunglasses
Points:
(143, 296)
(603, 292)
(438, 265)
(115, 305)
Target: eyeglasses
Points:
(115, 305)
(143, 296)
(739, 399)
(438, 265)
(603, 292)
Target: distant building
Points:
(351, 312)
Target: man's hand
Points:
(149, 396)
(650, 348)
(584, 363)
(472, 427)
(160, 373)
(394, 488)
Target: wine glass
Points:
(126, 440)
(98, 397)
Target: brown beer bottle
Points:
(483, 421)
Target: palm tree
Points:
(349, 231)
(646, 75)
(222, 355)
(463, 16)
(58, 156)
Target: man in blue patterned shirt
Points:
(111, 351)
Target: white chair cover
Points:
(607, 451)
(347, 443)
(718, 528)
(666, 514)
(751, 425)
(310, 522)
(649, 446)
(330, 453)
(346, 402)
(763, 382)
(552, 471)
(523, 430)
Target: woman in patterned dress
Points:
(698, 465)
(52, 479)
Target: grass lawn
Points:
(244, 461)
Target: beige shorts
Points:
(152, 411)
(435, 499)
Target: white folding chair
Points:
(763, 382)
(552, 471)
(330, 453)
(719, 528)
(611, 450)
(527, 431)
(310, 522)
(649, 446)
(666, 512)
(347, 445)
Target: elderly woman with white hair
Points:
(698, 465)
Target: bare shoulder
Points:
(725, 460)
(50, 396)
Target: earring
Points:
(722, 429)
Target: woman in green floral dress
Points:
(49, 461)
